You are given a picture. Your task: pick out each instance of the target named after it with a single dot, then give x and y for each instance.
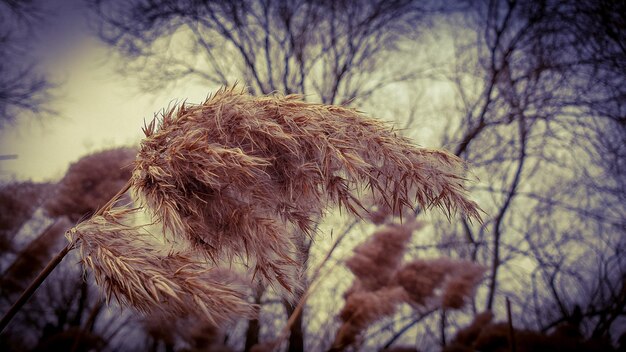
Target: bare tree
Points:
(23, 85)
(331, 51)
(540, 102)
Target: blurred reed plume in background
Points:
(484, 334)
(382, 282)
(90, 183)
(18, 202)
(454, 279)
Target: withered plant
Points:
(138, 273)
(90, 182)
(237, 173)
(234, 177)
(382, 282)
(18, 201)
(485, 334)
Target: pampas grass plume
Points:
(363, 308)
(375, 262)
(382, 282)
(90, 182)
(236, 174)
(235, 178)
(456, 280)
(130, 269)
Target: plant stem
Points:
(34, 285)
(408, 326)
(6, 319)
(314, 283)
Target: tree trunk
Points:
(296, 335)
(254, 326)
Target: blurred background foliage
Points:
(531, 93)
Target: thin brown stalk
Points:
(25, 296)
(54, 262)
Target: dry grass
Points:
(449, 281)
(382, 282)
(362, 309)
(485, 334)
(32, 258)
(90, 182)
(130, 268)
(18, 201)
(236, 174)
(374, 293)
(235, 178)
(376, 261)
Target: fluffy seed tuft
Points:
(133, 271)
(236, 174)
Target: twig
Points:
(34, 285)
(408, 326)
(89, 323)
(443, 327)
(315, 279)
(511, 330)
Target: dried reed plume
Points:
(449, 280)
(18, 201)
(363, 308)
(382, 282)
(237, 173)
(90, 182)
(375, 262)
(130, 268)
(373, 294)
(32, 258)
(484, 334)
(236, 177)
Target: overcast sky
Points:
(97, 109)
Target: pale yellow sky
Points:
(97, 109)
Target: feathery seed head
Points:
(137, 274)
(232, 174)
(363, 308)
(382, 281)
(456, 280)
(375, 262)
